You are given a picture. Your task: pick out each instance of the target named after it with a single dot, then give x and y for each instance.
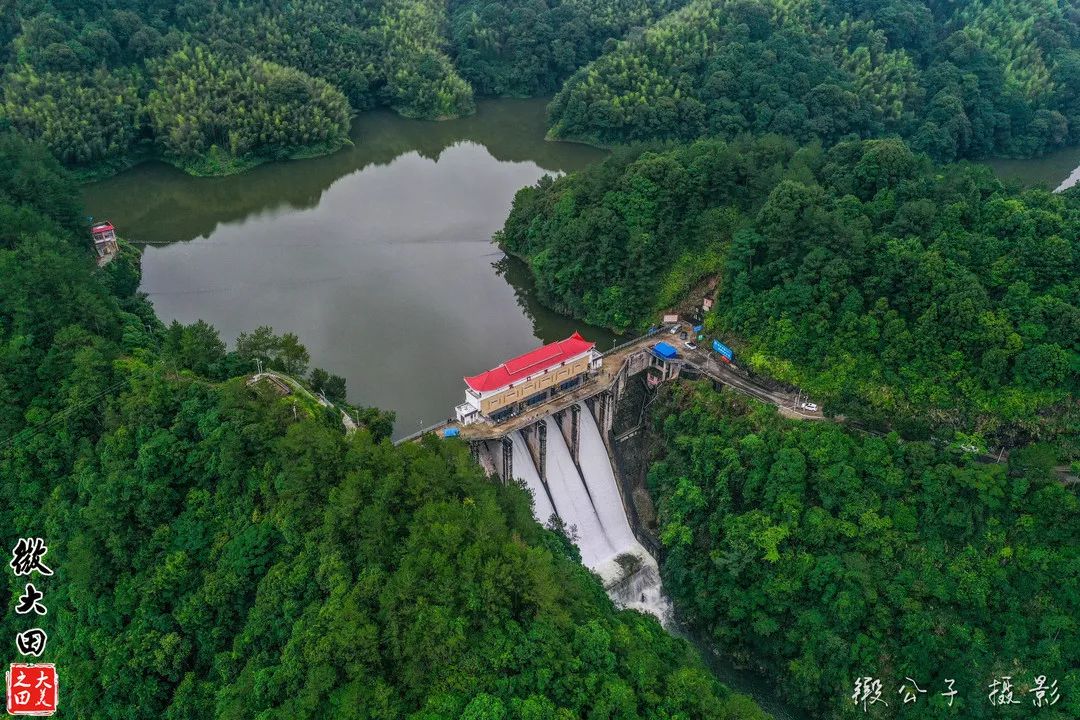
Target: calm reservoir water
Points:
(1058, 170)
(378, 257)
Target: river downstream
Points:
(379, 258)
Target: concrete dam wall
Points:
(585, 496)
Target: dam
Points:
(583, 494)
(543, 420)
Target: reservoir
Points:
(1058, 170)
(378, 257)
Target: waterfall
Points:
(525, 470)
(586, 498)
(634, 581)
(573, 503)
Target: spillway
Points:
(641, 588)
(600, 480)
(572, 501)
(586, 498)
(525, 470)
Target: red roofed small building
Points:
(527, 380)
(105, 246)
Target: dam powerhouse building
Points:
(527, 380)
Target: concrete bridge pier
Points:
(507, 459)
(569, 422)
(593, 405)
(541, 433)
(575, 430)
(536, 440)
(603, 410)
(610, 398)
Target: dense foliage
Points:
(279, 109)
(217, 86)
(221, 550)
(386, 52)
(891, 288)
(82, 118)
(112, 81)
(959, 79)
(825, 556)
(104, 86)
(529, 47)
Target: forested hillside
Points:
(895, 290)
(958, 79)
(215, 87)
(825, 556)
(219, 551)
(529, 47)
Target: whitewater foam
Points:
(586, 498)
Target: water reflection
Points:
(546, 322)
(1058, 170)
(156, 203)
(378, 257)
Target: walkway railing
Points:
(623, 345)
(419, 433)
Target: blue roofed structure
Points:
(665, 351)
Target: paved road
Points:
(291, 383)
(710, 364)
(704, 360)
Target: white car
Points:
(689, 345)
(674, 329)
(812, 407)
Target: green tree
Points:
(823, 555)
(925, 298)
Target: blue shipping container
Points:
(697, 328)
(665, 351)
(451, 432)
(722, 349)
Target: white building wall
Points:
(475, 400)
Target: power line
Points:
(57, 417)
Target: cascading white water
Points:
(572, 502)
(590, 507)
(637, 588)
(525, 470)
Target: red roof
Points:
(102, 227)
(530, 363)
